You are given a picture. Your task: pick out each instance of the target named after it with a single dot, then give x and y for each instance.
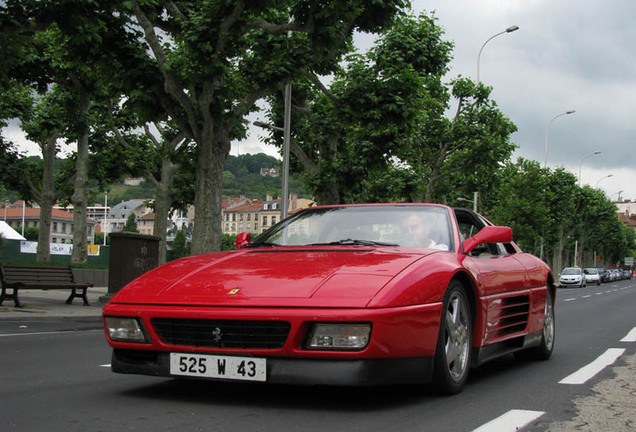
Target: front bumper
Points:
(568, 283)
(361, 372)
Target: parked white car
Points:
(572, 277)
(592, 276)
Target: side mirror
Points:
(242, 239)
(488, 234)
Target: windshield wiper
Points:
(354, 242)
(261, 244)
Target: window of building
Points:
(54, 227)
(264, 220)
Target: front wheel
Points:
(544, 350)
(453, 351)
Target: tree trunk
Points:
(163, 200)
(212, 152)
(47, 199)
(329, 194)
(557, 259)
(80, 192)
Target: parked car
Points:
(572, 277)
(627, 274)
(618, 274)
(607, 276)
(365, 294)
(592, 276)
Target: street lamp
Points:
(547, 134)
(581, 164)
(508, 30)
(286, 142)
(602, 178)
(474, 200)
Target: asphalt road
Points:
(54, 376)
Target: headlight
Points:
(347, 337)
(123, 329)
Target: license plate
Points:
(215, 366)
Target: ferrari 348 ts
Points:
(366, 294)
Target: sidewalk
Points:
(612, 407)
(44, 304)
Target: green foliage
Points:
(99, 238)
(227, 242)
(180, 247)
(513, 202)
(131, 224)
(31, 233)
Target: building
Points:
(119, 214)
(61, 223)
(272, 172)
(256, 216)
(146, 224)
(245, 217)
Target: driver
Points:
(417, 232)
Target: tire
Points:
(454, 342)
(544, 350)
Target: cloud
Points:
(567, 55)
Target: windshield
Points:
(379, 225)
(571, 271)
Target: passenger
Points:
(417, 232)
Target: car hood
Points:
(281, 277)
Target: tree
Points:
(221, 57)
(46, 123)
(159, 158)
(76, 45)
(131, 224)
(379, 132)
(180, 246)
(513, 202)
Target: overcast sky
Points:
(566, 55)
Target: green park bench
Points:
(18, 276)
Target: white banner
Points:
(28, 247)
(55, 248)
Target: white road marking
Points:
(569, 299)
(105, 365)
(511, 421)
(587, 372)
(630, 337)
(49, 333)
(587, 296)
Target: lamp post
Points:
(286, 145)
(581, 164)
(474, 200)
(602, 178)
(508, 30)
(547, 134)
(105, 216)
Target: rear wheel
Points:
(452, 354)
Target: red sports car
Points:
(364, 294)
